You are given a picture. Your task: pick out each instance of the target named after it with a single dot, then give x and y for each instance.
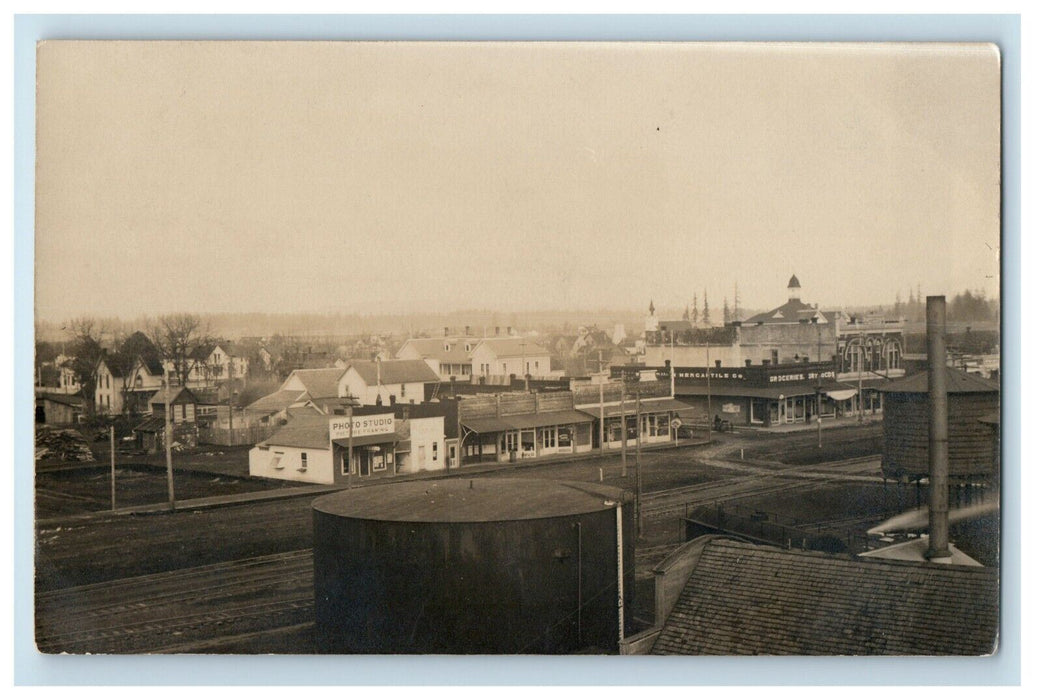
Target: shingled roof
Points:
(956, 381)
(319, 383)
(514, 347)
(308, 431)
(394, 371)
(434, 348)
(744, 599)
(792, 311)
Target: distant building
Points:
(183, 408)
(57, 408)
(449, 357)
(776, 367)
(510, 356)
(388, 383)
(108, 388)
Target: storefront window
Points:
(564, 436)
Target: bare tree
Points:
(179, 337)
(86, 353)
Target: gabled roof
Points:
(394, 371)
(278, 400)
(302, 431)
(173, 395)
(513, 347)
(230, 349)
(792, 311)
(956, 381)
(434, 348)
(793, 282)
(319, 383)
(113, 367)
(752, 599)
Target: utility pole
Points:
(637, 510)
(622, 406)
(350, 441)
(112, 462)
(818, 397)
(169, 438)
(601, 424)
(860, 364)
(709, 396)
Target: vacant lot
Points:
(88, 489)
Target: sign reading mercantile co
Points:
(340, 426)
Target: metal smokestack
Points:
(938, 395)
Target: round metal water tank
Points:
(508, 566)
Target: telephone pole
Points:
(169, 438)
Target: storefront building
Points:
(770, 394)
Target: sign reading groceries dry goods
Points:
(340, 426)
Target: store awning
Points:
(648, 406)
(841, 394)
(774, 393)
(385, 439)
(539, 420)
(485, 425)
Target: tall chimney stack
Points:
(938, 395)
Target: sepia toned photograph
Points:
(517, 348)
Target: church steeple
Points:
(651, 308)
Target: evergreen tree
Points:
(687, 314)
(705, 308)
(694, 308)
(727, 312)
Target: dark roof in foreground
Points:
(470, 500)
(752, 599)
(957, 381)
(308, 431)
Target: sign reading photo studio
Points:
(341, 426)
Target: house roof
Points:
(74, 400)
(957, 382)
(113, 367)
(152, 424)
(302, 431)
(434, 348)
(793, 282)
(514, 347)
(319, 383)
(394, 371)
(792, 311)
(174, 395)
(753, 599)
(277, 400)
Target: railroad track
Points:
(755, 482)
(179, 610)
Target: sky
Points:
(406, 177)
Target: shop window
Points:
(276, 460)
(434, 452)
(403, 391)
(303, 462)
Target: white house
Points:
(108, 389)
(386, 383)
(300, 451)
(227, 361)
(449, 357)
(506, 356)
(67, 382)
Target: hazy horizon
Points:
(404, 178)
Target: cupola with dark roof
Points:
(794, 288)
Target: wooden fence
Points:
(236, 436)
